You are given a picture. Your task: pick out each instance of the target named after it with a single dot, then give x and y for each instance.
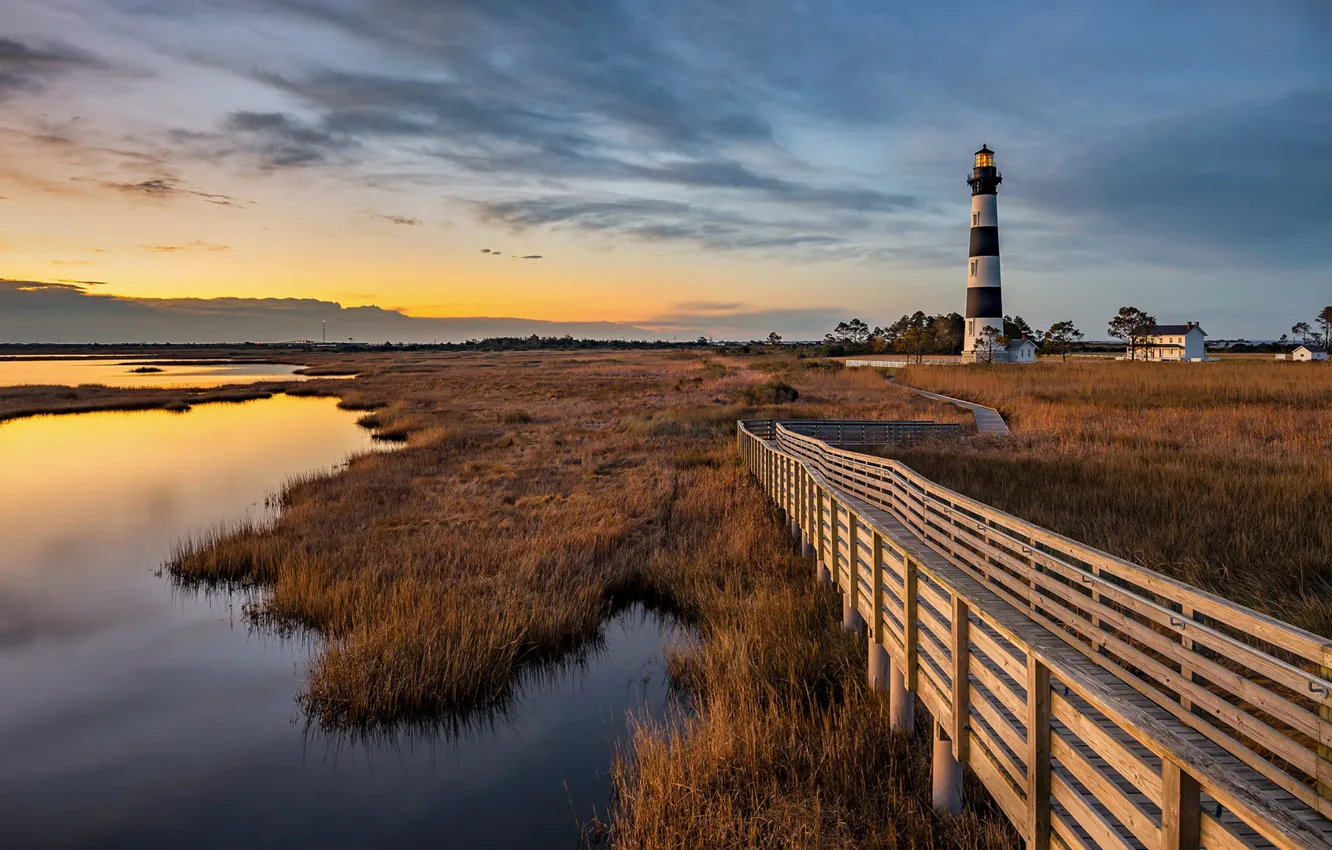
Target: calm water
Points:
(134, 716)
(120, 373)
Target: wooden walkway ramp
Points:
(988, 420)
(1101, 704)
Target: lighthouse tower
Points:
(984, 305)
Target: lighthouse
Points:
(984, 304)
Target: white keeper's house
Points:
(1020, 351)
(1307, 352)
(1174, 342)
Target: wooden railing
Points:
(857, 432)
(1102, 704)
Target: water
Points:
(120, 373)
(135, 716)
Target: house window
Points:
(975, 219)
(973, 268)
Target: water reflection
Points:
(136, 715)
(124, 373)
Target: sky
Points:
(653, 168)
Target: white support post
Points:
(945, 774)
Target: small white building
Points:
(1309, 352)
(1020, 351)
(1174, 342)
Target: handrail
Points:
(844, 432)
(1225, 703)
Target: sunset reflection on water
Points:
(120, 373)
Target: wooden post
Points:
(786, 487)
(853, 560)
(876, 596)
(1038, 754)
(833, 511)
(818, 525)
(1324, 750)
(1186, 643)
(1181, 808)
(1096, 620)
(909, 624)
(961, 677)
(800, 497)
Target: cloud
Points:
(407, 221)
(743, 321)
(653, 220)
(825, 132)
(532, 257)
(1215, 185)
(282, 141)
(710, 306)
(189, 246)
(40, 311)
(29, 66)
(160, 188)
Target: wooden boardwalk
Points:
(1101, 704)
(988, 420)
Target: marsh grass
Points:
(490, 546)
(1219, 474)
(23, 401)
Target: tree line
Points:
(918, 334)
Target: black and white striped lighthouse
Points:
(984, 304)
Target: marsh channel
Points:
(134, 714)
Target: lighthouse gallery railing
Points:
(1234, 749)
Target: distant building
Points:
(1020, 351)
(1173, 342)
(1309, 352)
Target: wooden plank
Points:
(1125, 762)
(1038, 754)
(933, 694)
(1103, 833)
(936, 628)
(961, 679)
(1181, 812)
(1015, 668)
(933, 650)
(1215, 835)
(931, 596)
(1009, 799)
(1066, 834)
(1007, 696)
(1104, 790)
(1006, 745)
